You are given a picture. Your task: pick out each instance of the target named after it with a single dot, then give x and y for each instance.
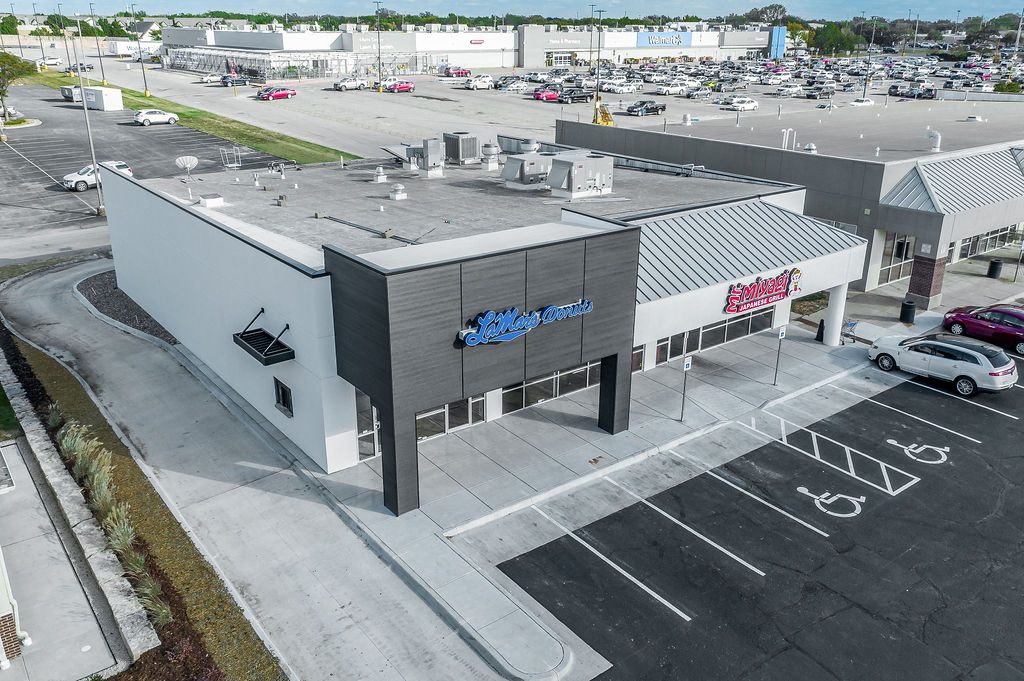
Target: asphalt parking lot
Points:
(33, 160)
(870, 528)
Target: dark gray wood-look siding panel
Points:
(610, 281)
(554, 276)
(361, 326)
(426, 314)
(497, 283)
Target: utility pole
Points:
(917, 23)
(380, 73)
(96, 32)
(16, 33)
(64, 32)
(597, 93)
(142, 61)
(956, 26)
(100, 209)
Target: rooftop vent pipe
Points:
(936, 137)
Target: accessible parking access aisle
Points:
(878, 542)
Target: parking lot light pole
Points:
(64, 32)
(138, 42)
(35, 13)
(380, 72)
(95, 32)
(590, 55)
(16, 33)
(100, 209)
(867, 76)
(597, 92)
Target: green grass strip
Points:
(255, 137)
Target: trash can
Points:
(908, 311)
(995, 268)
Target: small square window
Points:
(283, 398)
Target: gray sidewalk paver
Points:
(477, 600)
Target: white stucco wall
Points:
(203, 284)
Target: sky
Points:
(829, 9)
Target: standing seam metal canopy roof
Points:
(955, 185)
(720, 244)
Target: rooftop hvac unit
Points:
(527, 171)
(574, 176)
(432, 163)
(461, 148)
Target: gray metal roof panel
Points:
(911, 192)
(722, 243)
(966, 182)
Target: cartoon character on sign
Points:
(825, 500)
(915, 452)
(743, 297)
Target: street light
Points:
(35, 13)
(590, 55)
(380, 73)
(138, 42)
(16, 33)
(95, 32)
(100, 209)
(64, 32)
(874, 20)
(597, 93)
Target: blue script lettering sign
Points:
(497, 327)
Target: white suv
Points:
(480, 82)
(969, 364)
(88, 176)
(148, 116)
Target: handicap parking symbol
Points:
(929, 454)
(846, 506)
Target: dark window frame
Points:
(284, 399)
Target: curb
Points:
(30, 123)
(132, 622)
(379, 549)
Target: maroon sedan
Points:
(277, 93)
(1000, 324)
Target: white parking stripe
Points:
(650, 592)
(905, 413)
(767, 503)
(686, 527)
(91, 208)
(963, 399)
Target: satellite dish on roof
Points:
(187, 163)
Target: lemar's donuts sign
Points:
(498, 327)
(744, 297)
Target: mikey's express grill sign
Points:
(746, 296)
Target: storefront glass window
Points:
(710, 336)
(452, 416)
(661, 354)
(637, 359)
(570, 381)
(897, 258)
(458, 414)
(367, 426)
(430, 424)
(539, 391)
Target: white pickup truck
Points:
(351, 83)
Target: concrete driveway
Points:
(331, 607)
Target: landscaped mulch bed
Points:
(101, 290)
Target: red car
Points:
(1000, 324)
(545, 95)
(277, 93)
(401, 86)
(456, 72)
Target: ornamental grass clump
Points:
(91, 466)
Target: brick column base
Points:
(926, 282)
(9, 637)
